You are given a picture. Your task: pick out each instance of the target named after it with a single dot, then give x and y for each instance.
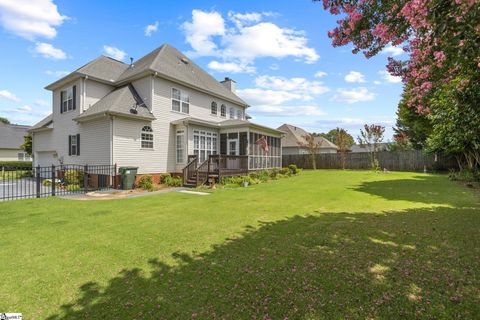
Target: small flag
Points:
(263, 143)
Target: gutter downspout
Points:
(111, 140)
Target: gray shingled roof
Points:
(120, 101)
(104, 68)
(171, 63)
(11, 135)
(43, 123)
(294, 136)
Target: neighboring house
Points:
(154, 114)
(11, 139)
(364, 148)
(294, 136)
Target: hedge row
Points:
(13, 165)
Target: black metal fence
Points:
(37, 182)
(409, 160)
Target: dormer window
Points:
(223, 110)
(67, 99)
(214, 108)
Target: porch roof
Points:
(227, 124)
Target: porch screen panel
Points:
(223, 143)
(243, 143)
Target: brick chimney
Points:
(229, 84)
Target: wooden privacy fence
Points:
(412, 160)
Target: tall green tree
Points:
(332, 136)
(4, 120)
(27, 144)
(370, 137)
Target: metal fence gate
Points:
(37, 182)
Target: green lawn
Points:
(322, 245)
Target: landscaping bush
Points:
(294, 169)
(286, 171)
(164, 177)
(73, 187)
(73, 177)
(274, 173)
(464, 175)
(173, 182)
(14, 165)
(146, 182)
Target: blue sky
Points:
(277, 51)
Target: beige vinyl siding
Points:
(94, 91)
(127, 150)
(143, 87)
(9, 154)
(95, 142)
(42, 140)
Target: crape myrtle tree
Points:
(440, 38)
(370, 136)
(344, 142)
(312, 146)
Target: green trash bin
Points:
(128, 177)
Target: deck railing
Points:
(190, 169)
(228, 165)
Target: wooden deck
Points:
(214, 168)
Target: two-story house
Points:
(157, 113)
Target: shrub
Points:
(264, 176)
(73, 176)
(15, 165)
(73, 187)
(464, 175)
(146, 182)
(294, 169)
(173, 182)
(254, 175)
(164, 177)
(47, 182)
(286, 171)
(274, 173)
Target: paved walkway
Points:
(116, 194)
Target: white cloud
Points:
(42, 103)
(8, 95)
(287, 111)
(151, 28)
(56, 73)
(114, 52)
(274, 67)
(231, 67)
(48, 51)
(30, 19)
(355, 76)
(244, 37)
(355, 95)
(394, 51)
(377, 82)
(299, 85)
(201, 30)
(24, 109)
(320, 74)
(388, 77)
(257, 96)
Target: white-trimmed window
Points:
(239, 114)
(67, 99)
(214, 108)
(180, 101)
(223, 110)
(74, 145)
(23, 156)
(204, 144)
(180, 146)
(147, 137)
(232, 113)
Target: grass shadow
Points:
(422, 189)
(420, 263)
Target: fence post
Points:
(53, 180)
(38, 181)
(85, 178)
(114, 183)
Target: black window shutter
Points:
(69, 145)
(74, 97)
(223, 143)
(78, 144)
(61, 101)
